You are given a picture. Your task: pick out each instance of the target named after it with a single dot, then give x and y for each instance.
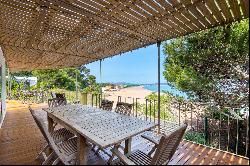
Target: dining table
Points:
(99, 127)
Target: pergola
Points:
(39, 34)
(45, 34)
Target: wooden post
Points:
(81, 150)
(101, 75)
(3, 84)
(128, 144)
(50, 124)
(159, 85)
(8, 88)
(84, 98)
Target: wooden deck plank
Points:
(190, 155)
(21, 141)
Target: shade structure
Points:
(43, 34)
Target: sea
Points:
(167, 88)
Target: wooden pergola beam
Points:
(38, 34)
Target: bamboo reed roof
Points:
(40, 34)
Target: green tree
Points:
(92, 87)
(165, 105)
(60, 78)
(211, 65)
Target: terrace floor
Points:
(21, 140)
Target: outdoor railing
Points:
(30, 96)
(228, 132)
(42, 96)
(224, 131)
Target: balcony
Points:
(21, 141)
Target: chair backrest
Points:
(53, 95)
(57, 102)
(167, 146)
(107, 105)
(60, 95)
(42, 126)
(57, 95)
(124, 108)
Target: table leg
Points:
(128, 143)
(50, 124)
(81, 150)
(50, 129)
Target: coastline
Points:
(130, 92)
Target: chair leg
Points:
(53, 154)
(112, 156)
(98, 149)
(93, 148)
(41, 153)
(56, 161)
(152, 151)
(111, 159)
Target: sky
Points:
(138, 66)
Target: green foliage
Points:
(211, 65)
(130, 85)
(62, 78)
(151, 108)
(165, 105)
(92, 87)
(195, 137)
(23, 73)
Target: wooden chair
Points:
(154, 137)
(164, 152)
(124, 108)
(60, 95)
(53, 95)
(121, 108)
(107, 105)
(57, 136)
(55, 102)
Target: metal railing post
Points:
(191, 115)
(150, 109)
(247, 136)
(179, 107)
(42, 97)
(96, 100)
(136, 107)
(146, 109)
(154, 111)
(92, 100)
(206, 129)
(237, 135)
(219, 132)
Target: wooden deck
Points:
(21, 140)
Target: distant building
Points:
(112, 87)
(30, 80)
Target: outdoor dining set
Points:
(71, 131)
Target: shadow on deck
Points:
(21, 140)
